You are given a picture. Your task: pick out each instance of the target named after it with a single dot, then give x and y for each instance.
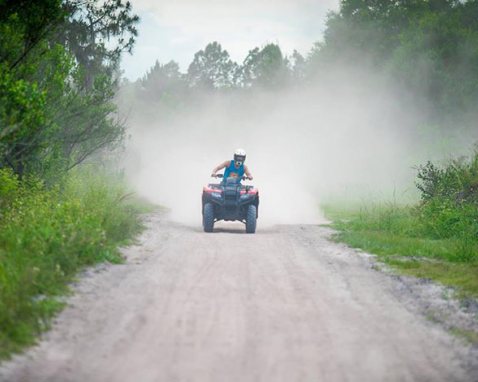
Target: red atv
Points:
(230, 201)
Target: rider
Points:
(234, 168)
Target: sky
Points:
(176, 29)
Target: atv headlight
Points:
(216, 195)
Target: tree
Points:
(164, 83)
(438, 58)
(430, 47)
(58, 71)
(369, 31)
(25, 123)
(23, 25)
(212, 68)
(298, 67)
(97, 33)
(265, 67)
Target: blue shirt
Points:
(232, 171)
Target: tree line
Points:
(430, 48)
(59, 69)
(213, 69)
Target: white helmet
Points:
(239, 155)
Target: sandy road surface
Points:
(282, 305)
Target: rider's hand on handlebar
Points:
(213, 175)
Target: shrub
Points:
(457, 181)
(449, 207)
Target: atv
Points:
(230, 201)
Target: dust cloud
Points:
(347, 131)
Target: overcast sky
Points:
(176, 29)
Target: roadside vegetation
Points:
(61, 209)
(47, 234)
(431, 48)
(435, 239)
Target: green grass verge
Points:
(396, 234)
(46, 236)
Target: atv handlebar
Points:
(220, 176)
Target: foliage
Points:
(456, 182)
(427, 49)
(164, 83)
(449, 206)
(96, 34)
(46, 236)
(298, 68)
(23, 25)
(265, 67)
(22, 114)
(431, 47)
(58, 76)
(58, 64)
(442, 228)
(212, 68)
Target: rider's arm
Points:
(247, 172)
(220, 167)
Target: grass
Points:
(468, 335)
(402, 238)
(46, 236)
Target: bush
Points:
(457, 181)
(449, 207)
(46, 236)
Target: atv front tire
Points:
(208, 217)
(251, 219)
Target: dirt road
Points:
(285, 304)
